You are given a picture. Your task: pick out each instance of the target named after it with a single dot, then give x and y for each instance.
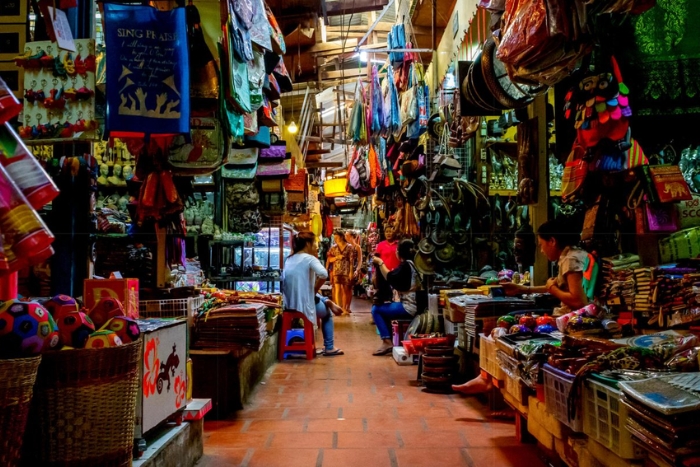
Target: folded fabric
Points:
(275, 169)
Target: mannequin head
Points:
(104, 170)
(123, 201)
(128, 172)
(117, 170)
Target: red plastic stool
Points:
(308, 346)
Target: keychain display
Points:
(59, 97)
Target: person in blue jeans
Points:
(407, 281)
(325, 309)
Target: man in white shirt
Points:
(303, 276)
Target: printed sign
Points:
(147, 70)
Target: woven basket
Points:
(17, 377)
(84, 408)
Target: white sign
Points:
(64, 36)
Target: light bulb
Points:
(292, 128)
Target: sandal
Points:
(379, 353)
(333, 353)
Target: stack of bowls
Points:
(439, 368)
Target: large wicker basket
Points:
(17, 377)
(84, 408)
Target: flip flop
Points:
(333, 353)
(379, 353)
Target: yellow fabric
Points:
(316, 225)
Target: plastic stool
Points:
(308, 346)
(297, 334)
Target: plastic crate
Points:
(452, 328)
(557, 385)
(604, 419)
(510, 374)
(172, 308)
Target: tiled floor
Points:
(359, 410)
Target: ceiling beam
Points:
(345, 7)
(381, 27)
(338, 48)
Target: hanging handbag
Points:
(274, 202)
(278, 170)
(272, 88)
(446, 166)
(244, 220)
(259, 140)
(669, 184)
(276, 35)
(244, 12)
(296, 183)
(241, 194)
(238, 87)
(275, 153)
(260, 29)
(599, 106)
(266, 114)
(250, 124)
(241, 164)
(663, 218)
(283, 79)
(256, 80)
(241, 45)
(204, 71)
(203, 154)
(575, 172)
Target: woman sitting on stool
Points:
(407, 281)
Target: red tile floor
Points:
(359, 410)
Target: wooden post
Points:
(162, 269)
(539, 212)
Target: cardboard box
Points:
(124, 290)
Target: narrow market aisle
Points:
(359, 410)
